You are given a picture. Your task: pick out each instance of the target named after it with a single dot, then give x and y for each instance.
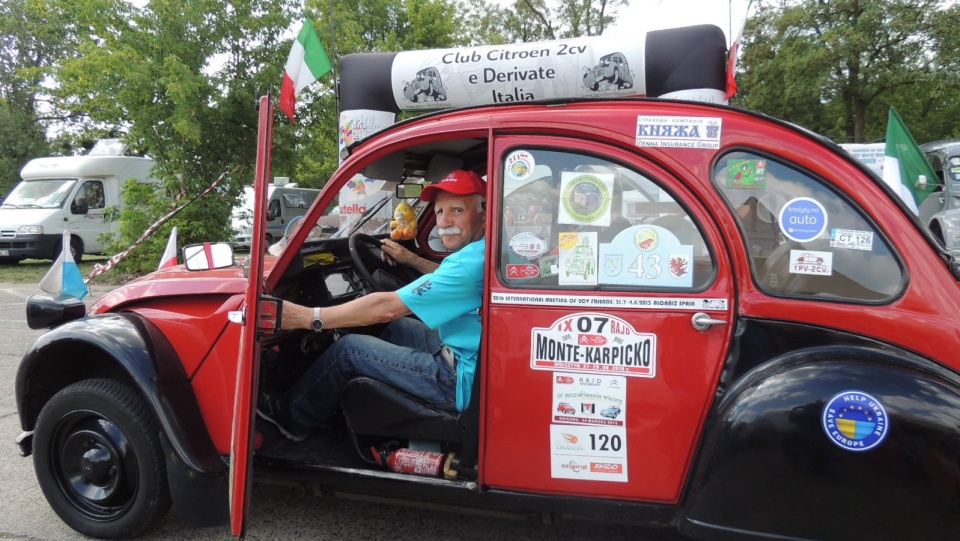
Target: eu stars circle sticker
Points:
(855, 421)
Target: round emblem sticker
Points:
(803, 219)
(855, 421)
(527, 245)
(646, 239)
(586, 198)
(520, 165)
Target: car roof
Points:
(952, 146)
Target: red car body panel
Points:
(739, 129)
(682, 417)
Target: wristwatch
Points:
(317, 322)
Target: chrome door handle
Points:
(702, 322)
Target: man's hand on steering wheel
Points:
(393, 252)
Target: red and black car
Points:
(770, 324)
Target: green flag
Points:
(905, 167)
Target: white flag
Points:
(169, 258)
(64, 276)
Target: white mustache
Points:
(450, 231)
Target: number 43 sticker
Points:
(651, 271)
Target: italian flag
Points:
(905, 167)
(307, 62)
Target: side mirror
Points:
(79, 206)
(272, 215)
(207, 256)
(409, 191)
(48, 311)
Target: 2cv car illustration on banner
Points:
(707, 375)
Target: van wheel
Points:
(99, 461)
(76, 250)
(9, 260)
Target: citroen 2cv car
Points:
(941, 209)
(761, 395)
(426, 84)
(612, 69)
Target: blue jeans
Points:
(406, 355)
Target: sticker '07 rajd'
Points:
(592, 343)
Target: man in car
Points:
(433, 358)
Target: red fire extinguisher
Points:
(417, 462)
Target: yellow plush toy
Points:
(404, 224)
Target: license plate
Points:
(4, 253)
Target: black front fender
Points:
(772, 465)
(128, 348)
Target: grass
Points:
(32, 271)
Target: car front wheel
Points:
(99, 461)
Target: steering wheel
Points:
(378, 274)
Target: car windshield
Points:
(365, 206)
(46, 194)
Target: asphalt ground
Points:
(277, 513)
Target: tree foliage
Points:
(836, 66)
(180, 80)
(32, 40)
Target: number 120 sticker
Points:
(588, 436)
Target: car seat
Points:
(374, 410)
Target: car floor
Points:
(328, 447)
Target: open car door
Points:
(256, 308)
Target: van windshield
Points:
(44, 194)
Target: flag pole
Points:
(333, 62)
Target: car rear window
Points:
(804, 238)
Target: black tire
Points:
(9, 260)
(99, 462)
(76, 250)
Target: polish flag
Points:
(169, 258)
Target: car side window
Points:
(805, 239)
(578, 221)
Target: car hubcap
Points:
(95, 464)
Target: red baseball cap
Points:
(458, 182)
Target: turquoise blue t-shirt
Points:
(449, 299)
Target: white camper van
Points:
(285, 202)
(70, 192)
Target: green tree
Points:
(837, 66)
(361, 26)
(528, 21)
(180, 80)
(33, 38)
(403, 25)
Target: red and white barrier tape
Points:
(99, 269)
